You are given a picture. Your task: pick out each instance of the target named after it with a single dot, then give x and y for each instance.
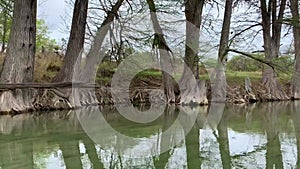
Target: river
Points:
(261, 135)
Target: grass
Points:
(48, 64)
(237, 78)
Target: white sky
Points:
(52, 11)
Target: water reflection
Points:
(265, 135)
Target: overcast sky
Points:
(52, 11)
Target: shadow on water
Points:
(263, 135)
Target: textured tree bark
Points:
(18, 65)
(219, 82)
(87, 96)
(271, 38)
(75, 43)
(192, 93)
(295, 88)
(165, 54)
(74, 51)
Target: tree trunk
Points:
(96, 54)
(74, 50)
(219, 82)
(192, 92)
(18, 65)
(271, 38)
(295, 88)
(165, 54)
(75, 43)
(193, 14)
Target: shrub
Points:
(47, 65)
(241, 63)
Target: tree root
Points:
(194, 94)
(15, 101)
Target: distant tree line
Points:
(242, 63)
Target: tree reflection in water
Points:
(295, 112)
(56, 139)
(222, 137)
(270, 113)
(166, 139)
(192, 136)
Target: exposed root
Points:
(241, 94)
(16, 101)
(272, 91)
(194, 94)
(51, 99)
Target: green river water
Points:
(261, 135)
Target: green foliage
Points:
(42, 33)
(286, 62)
(43, 41)
(4, 17)
(241, 63)
(6, 8)
(105, 72)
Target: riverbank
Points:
(242, 86)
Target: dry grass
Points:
(47, 66)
